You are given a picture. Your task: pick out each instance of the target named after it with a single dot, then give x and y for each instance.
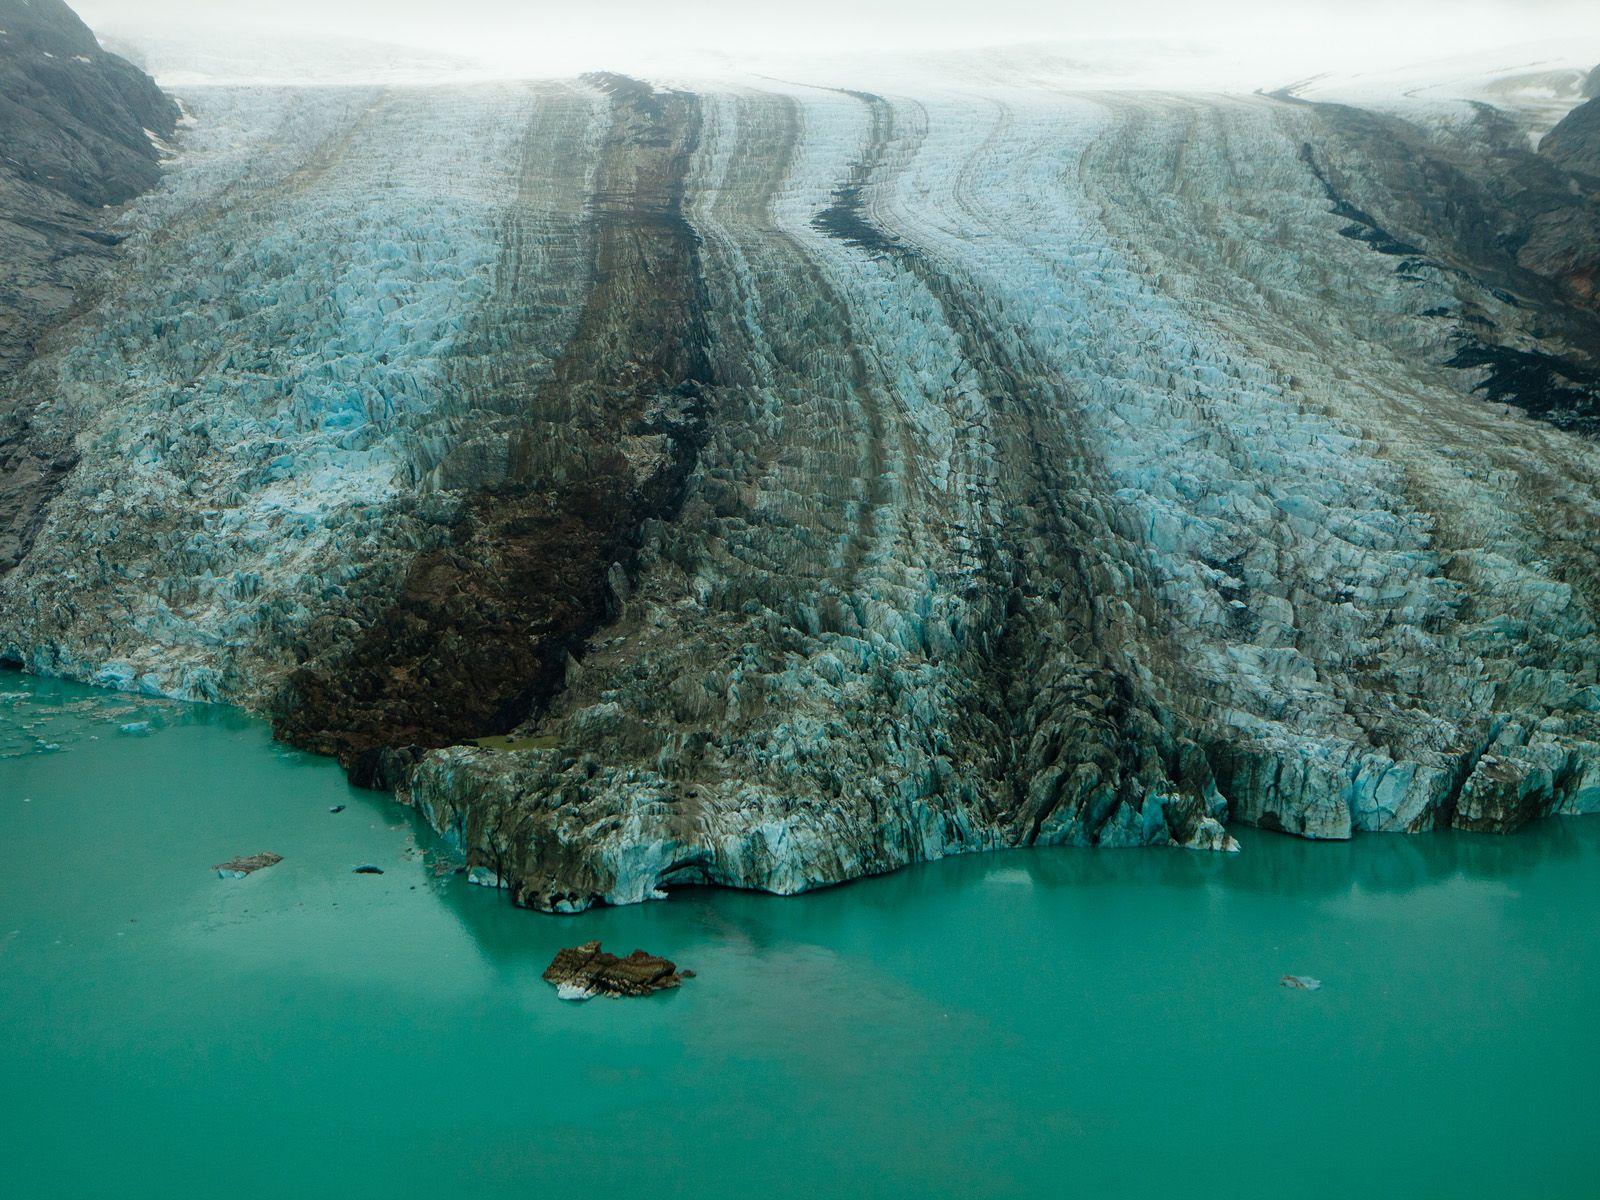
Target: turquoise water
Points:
(1039, 1024)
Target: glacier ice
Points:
(983, 467)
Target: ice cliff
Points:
(765, 485)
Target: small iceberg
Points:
(135, 728)
(484, 877)
(238, 868)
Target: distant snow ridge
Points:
(186, 57)
(1537, 83)
(856, 478)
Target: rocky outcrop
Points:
(77, 136)
(769, 486)
(1564, 243)
(1574, 144)
(585, 971)
(1513, 234)
(77, 121)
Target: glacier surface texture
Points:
(767, 485)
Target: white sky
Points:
(1285, 37)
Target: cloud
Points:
(1294, 35)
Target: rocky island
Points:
(586, 971)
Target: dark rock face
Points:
(1564, 243)
(72, 140)
(1575, 142)
(585, 971)
(30, 472)
(1502, 224)
(73, 118)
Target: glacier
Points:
(766, 484)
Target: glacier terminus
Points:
(769, 482)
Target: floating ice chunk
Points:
(136, 728)
(1209, 834)
(1304, 983)
(238, 868)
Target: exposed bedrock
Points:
(772, 486)
(1564, 243)
(1575, 142)
(1514, 234)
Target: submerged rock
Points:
(1304, 983)
(238, 868)
(582, 972)
(368, 869)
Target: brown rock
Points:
(584, 971)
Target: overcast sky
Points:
(1342, 30)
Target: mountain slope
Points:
(76, 128)
(75, 136)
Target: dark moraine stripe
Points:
(1060, 688)
(481, 629)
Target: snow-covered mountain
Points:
(1537, 84)
(769, 481)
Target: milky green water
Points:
(1040, 1024)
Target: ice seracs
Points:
(769, 485)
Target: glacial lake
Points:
(1030, 1024)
